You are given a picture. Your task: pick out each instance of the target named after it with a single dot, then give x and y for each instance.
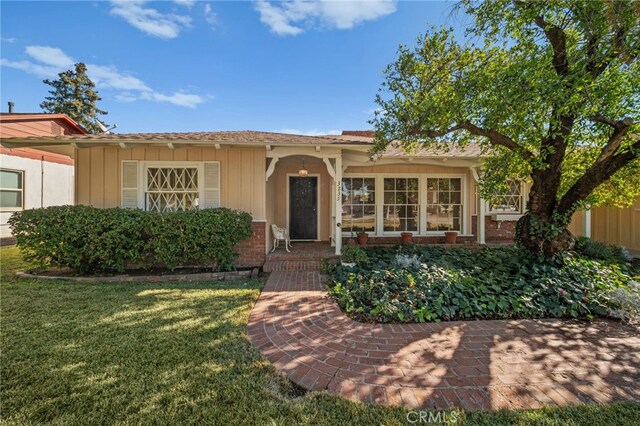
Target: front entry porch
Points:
(304, 256)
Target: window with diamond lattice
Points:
(510, 201)
(172, 189)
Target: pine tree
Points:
(73, 94)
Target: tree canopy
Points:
(550, 89)
(73, 94)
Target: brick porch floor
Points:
(481, 364)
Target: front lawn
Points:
(174, 353)
(418, 284)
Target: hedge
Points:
(90, 240)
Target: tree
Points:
(551, 90)
(73, 94)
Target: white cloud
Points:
(313, 132)
(50, 56)
(48, 61)
(295, 16)
(149, 20)
(209, 15)
(8, 39)
(185, 3)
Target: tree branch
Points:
(495, 138)
(558, 40)
(620, 129)
(598, 173)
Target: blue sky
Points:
(298, 67)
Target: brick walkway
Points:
(482, 364)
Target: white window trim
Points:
(422, 201)
(21, 190)
(509, 215)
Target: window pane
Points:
(454, 198)
(444, 204)
(510, 201)
(358, 208)
(401, 205)
(10, 179)
(389, 184)
(11, 199)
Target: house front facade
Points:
(321, 188)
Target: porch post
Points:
(481, 214)
(337, 183)
(586, 223)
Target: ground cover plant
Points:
(418, 284)
(168, 353)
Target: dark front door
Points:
(303, 208)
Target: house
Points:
(322, 188)
(30, 177)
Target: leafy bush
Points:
(416, 284)
(89, 239)
(601, 251)
(624, 303)
(354, 254)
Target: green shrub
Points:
(601, 251)
(416, 284)
(353, 254)
(90, 240)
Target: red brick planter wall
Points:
(251, 252)
(495, 231)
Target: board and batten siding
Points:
(612, 225)
(242, 183)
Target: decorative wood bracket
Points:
(271, 168)
(330, 169)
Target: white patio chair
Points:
(280, 234)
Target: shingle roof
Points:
(244, 137)
(252, 138)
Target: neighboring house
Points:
(322, 188)
(30, 177)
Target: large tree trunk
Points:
(548, 244)
(542, 230)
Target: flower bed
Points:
(418, 284)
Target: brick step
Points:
(291, 265)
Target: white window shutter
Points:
(211, 184)
(129, 184)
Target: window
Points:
(358, 204)
(169, 186)
(444, 204)
(171, 189)
(11, 189)
(401, 207)
(510, 201)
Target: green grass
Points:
(168, 353)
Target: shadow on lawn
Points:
(103, 353)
